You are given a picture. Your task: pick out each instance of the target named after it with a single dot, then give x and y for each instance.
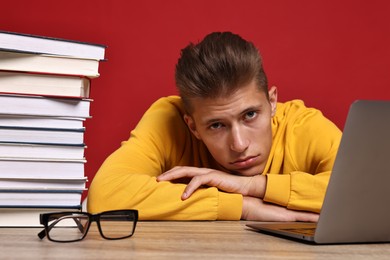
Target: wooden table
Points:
(180, 240)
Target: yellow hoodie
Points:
(298, 169)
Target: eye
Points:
(216, 126)
(250, 115)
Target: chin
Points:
(247, 172)
(253, 171)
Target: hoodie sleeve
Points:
(304, 149)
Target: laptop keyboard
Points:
(305, 231)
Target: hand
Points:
(247, 186)
(257, 210)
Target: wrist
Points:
(257, 186)
(245, 208)
(250, 208)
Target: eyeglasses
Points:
(74, 226)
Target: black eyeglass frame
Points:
(45, 217)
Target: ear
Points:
(273, 99)
(191, 125)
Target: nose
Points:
(239, 141)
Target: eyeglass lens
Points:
(116, 225)
(68, 227)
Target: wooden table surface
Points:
(180, 240)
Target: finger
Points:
(172, 174)
(193, 185)
(181, 172)
(308, 217)
(196, 183)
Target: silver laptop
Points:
(356, 207)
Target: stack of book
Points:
(44, 95)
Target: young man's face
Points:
(236, 129)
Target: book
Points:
(28, 217)
(42, 135)
(41, 151)
(18, 183)
(51, 45)
(44, 84)
(40, 198)
(44, 106)
(38, 121)
(16, 167)
(41, 63)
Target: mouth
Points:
(244, 163)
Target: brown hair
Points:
(217, 66)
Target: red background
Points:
(328, 53)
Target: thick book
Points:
(51, 45)
(44, 106)
(28, 216)
(42, 151)
(38, 121)
(30, 168)
(44, 84)
(40, 198)
(42, 135)
(40, 63)
(58, 184)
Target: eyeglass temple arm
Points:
(42, 234)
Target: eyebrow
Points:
(249, 109)
(211, 121)
(252, 108)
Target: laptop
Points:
(356, 208)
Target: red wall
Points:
(327, 53)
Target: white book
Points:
(44, 106)
(40, 63)
(42, 184)
(41, 151)
(28, 217)
(42, 135)
(38, 121)
(41, 168)
(39, 198)
(51, 45)
(44, 84)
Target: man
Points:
(224, 150)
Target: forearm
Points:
(256, 210)
(254, 207)
(160, 200)
(298, 190)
